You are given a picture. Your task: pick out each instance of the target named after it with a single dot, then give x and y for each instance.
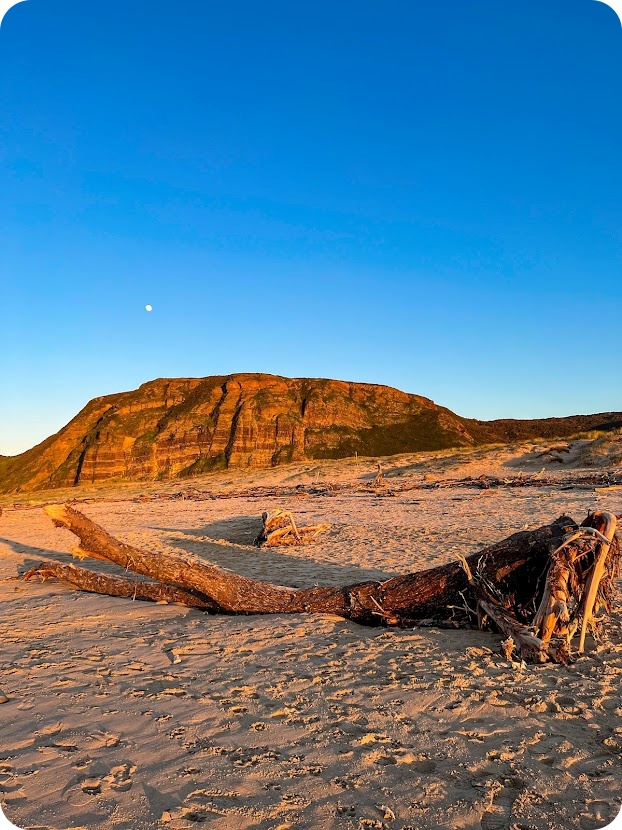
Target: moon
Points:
(148, 307)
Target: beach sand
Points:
(121, 714)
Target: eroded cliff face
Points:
(189, 426)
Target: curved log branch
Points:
(116, 586)
(230, 592)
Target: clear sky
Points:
(422, 194)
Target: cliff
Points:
(188, 426)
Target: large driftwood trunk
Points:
(537, 587)
(514, 565)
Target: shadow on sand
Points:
(233, 549)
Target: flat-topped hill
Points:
(188, 426)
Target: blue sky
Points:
(420, 194)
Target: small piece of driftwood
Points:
(279, 528)
(379, 478)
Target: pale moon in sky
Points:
(148, 308)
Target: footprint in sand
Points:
(10, 785)
(379, 757)
(64, 746)
(564, 705)
(51, 729)
(91, 786)
(497, 815)
(423, 766)
(600, 815)
(120, 777)
(99, 740)
(494, 819)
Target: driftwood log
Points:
(280, 528)
(537, 586)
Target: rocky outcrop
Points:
(188, 426)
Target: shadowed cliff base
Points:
(185, 427)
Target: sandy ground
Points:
(122, 714)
